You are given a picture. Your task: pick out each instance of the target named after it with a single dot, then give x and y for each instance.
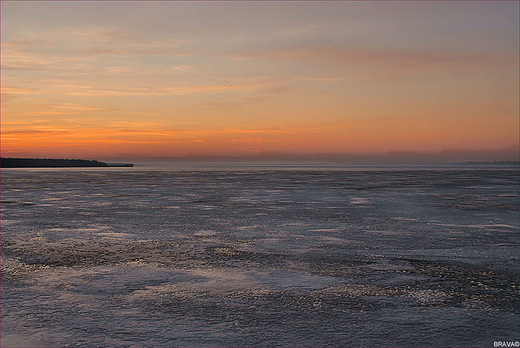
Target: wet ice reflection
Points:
(260, 257)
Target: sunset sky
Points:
(136, 80)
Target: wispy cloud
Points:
(319, 79)
(78, 49)
(387, 61)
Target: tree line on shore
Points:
(6, 162)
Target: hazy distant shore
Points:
(55, 163)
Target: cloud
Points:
(77, 49)
(49, 108)
(77, 131)
(386, 61)
(319, 79)
(84, 88)
(12, 91)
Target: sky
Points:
(386, 81)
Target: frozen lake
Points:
(235, 256)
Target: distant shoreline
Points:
(6, 162)
(55, 163)
(494, 163)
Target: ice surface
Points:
(416, 256)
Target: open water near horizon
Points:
(414, 256)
